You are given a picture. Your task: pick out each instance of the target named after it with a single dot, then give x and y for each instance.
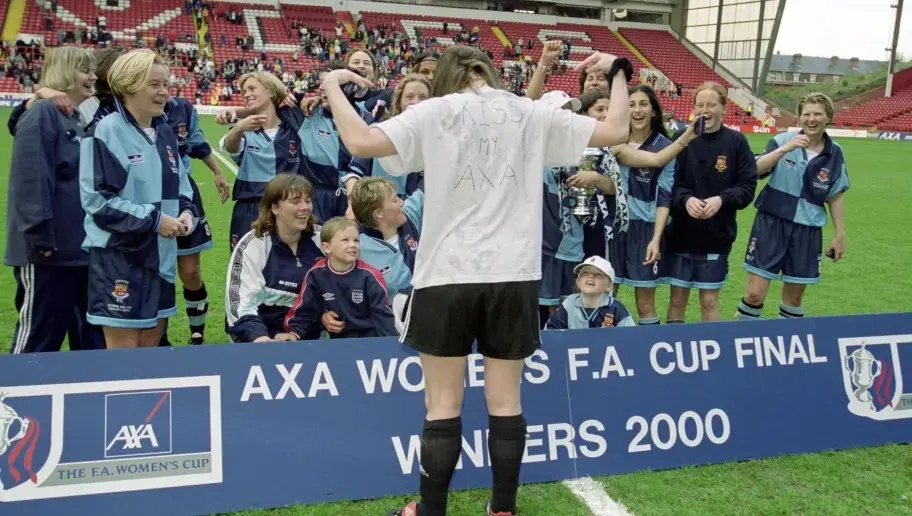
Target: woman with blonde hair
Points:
(263, 144)
(270, 262)
(137, 198)
(412, 89)
(483, 151)
(44, 216)
(806, 171)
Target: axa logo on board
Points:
(113, 437)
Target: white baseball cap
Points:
(599, 263)
(561, 100)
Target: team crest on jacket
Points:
(121, 290)
(182, 131)
(721, 163)
(292, 148)
(357, 296)
(411, 243)
(608, 321)
(823, 179)
(171, 157)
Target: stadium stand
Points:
(140, 19)
(877, 111)
(670, 56)
(271, 32)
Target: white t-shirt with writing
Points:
(483, 154)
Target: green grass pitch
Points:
(875, 277)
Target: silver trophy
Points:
(582, 195)
(864, 368)
(8, 416)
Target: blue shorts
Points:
(630, 249)
(557, 281)
(702, 271)
(778, 245)
(201, 238)
(243, 216)
(328, 202)
(122, 295)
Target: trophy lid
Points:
(862, 353)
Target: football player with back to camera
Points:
(137, 199)
(479, 261)
(806, 171)
(715, 176)
(44, 217)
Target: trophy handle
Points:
(879, 368)
(845, 363)
(23, 428)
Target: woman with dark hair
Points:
(629, 207)
(647, 175)
(479, 260)
(270, 262)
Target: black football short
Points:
(445, 321)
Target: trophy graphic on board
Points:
(8, 417)
(582, 195)
(864, 368)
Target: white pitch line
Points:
(594, 496)
(225, 161)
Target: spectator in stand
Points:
(44, 215)
(131, 269)
(594, 306)
(268, 265)
(715, 177)
(359, 293)
(806, 170)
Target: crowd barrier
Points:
(199, 430)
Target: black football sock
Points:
(441, 444)
(506, 444)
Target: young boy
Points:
(344, 284)
(594, 306)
